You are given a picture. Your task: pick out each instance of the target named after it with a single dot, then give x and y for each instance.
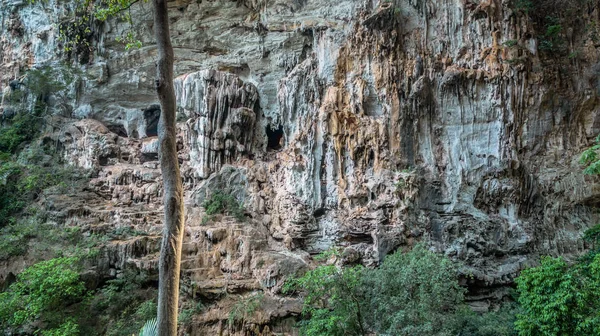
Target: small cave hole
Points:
(118, 130)
(275, 138)
(151, 117)
(149, 157)
(320, 212)
(103, 161)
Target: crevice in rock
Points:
(275, 138)
(151, 117)
(118, 130)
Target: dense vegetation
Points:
(413, 293)
(52, 297)
(39, 294)
(560, 298)
(417, 293)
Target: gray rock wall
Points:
(365, 125)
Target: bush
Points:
(186, 314)
(132, 320)
(494, 323)
(69, 328)
(124, 304)
(223, 203)
(333, 300)
(558, 299)
(414, 293)
(23, 180)
(23, 128)
(41, 293)
(14, 238)
(590, 159)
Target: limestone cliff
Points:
(363, 124)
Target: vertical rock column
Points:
(221, 112)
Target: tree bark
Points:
(170, 252)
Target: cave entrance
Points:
(118, 130)
(151, 117)
(275, 138)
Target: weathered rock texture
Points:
(366, 125)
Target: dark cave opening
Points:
(118, 130)
(275, 138)
(151, 116)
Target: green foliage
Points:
(150, 328)
(43, 239)
(552, 39)
(14, 238)
(124, 304)
(186, 314)
(114, 8)
(550, 18)
(333, 299)
(68, 328)
(590, 159)
(119, 9)
(43, 81)
(222, 203)
(124, 232)
(510, 43)
(23, 179)
(75, 32)
(494, 323)
(592, 235)
(523, 5)
(245, 308)
(558, 299)
(414, 293)
(41, 292)
(23, 128)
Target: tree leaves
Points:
(558, 299)
(40, 291)
(413, 293)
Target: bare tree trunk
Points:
(170, 252)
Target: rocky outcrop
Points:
(366, 125)
(221, 113)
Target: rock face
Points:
(366, 125)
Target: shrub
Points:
(42, 292)
(14, 238)
(333, 300)
(68, 328)
(222, 203)
(22, 181)
(186, 314)
(245, 308)
(124, 304)
(558, 299)
(23, 128)
(523, 5)
(414, 293)
(132, 319)
(590, 159)
(494, 323)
